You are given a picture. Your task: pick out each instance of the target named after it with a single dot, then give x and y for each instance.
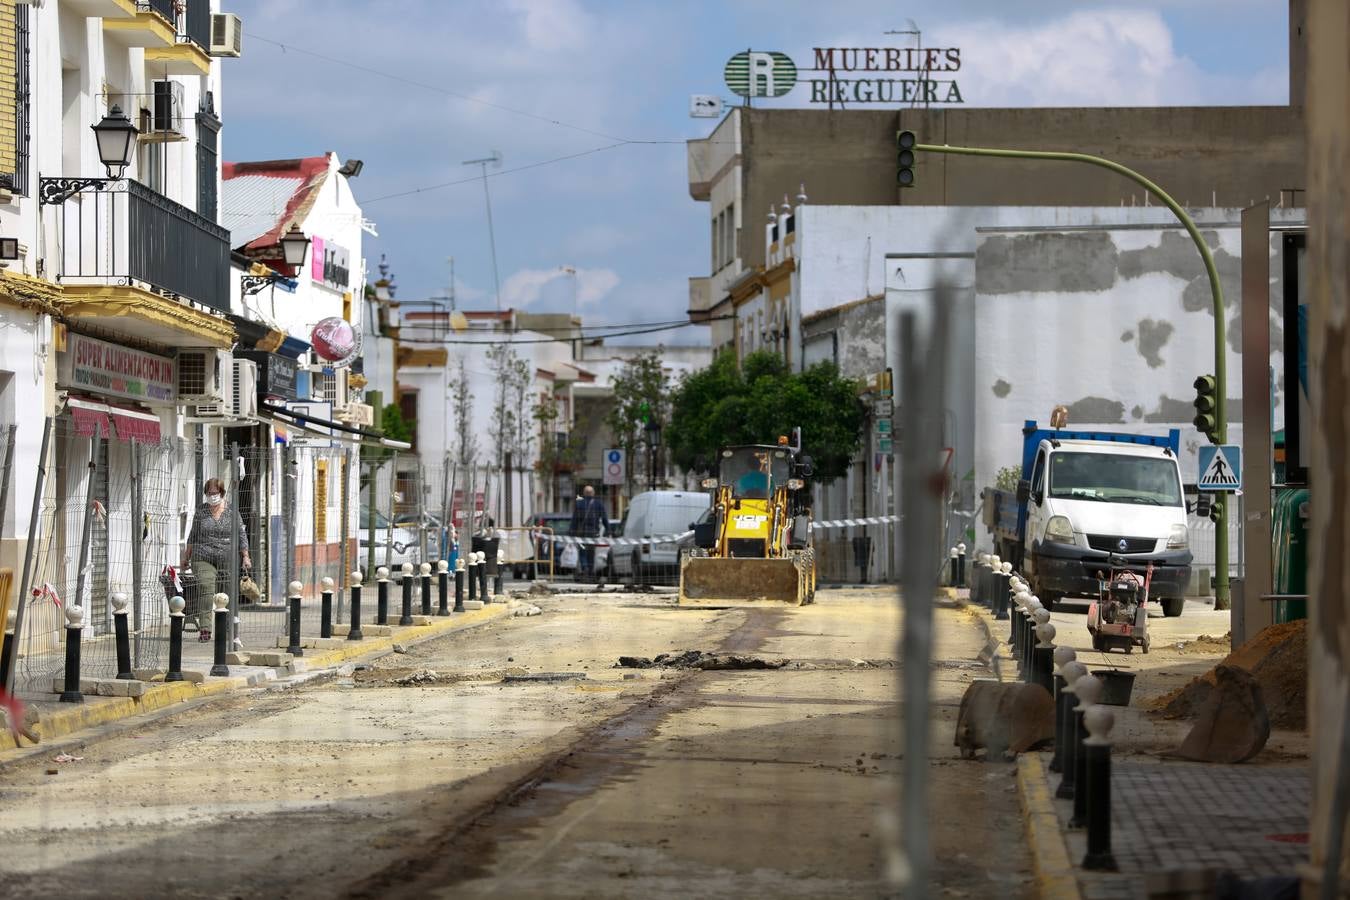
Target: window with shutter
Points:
(208, 158)
(14, 97)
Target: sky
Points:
(416, 87)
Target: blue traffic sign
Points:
(614, 456)
(1220, 468)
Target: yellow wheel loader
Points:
(754, 548)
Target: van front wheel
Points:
(1172, 606)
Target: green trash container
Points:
(1290, 537)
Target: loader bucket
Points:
(713, 581)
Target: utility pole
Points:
(1222, 595)
(496, 160)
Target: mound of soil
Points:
(1277, 657)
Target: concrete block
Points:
(87, 685)
(377, 630)
(297, 666)
(268, 658)
(194, 677)
(111, 687)
(473, 604)
(423, 620)
(148, 674)
(333, 643)
(344, 630)
(237, 659)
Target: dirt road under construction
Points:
(518, 760)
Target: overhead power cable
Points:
(493, 340)
(618, 141)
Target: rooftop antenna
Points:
(918, 45)
(496, 160)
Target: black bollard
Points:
(443, 588)
(1089, 691)
(977, 581)
(473, 575)
(296, 590)
(176, 618)
(459, 585)
(406, 585)
(426, 589)
(960, 565)
(1068, 761)
(1057, 760)
(74, 625)
(8, 647)
(122, 630)
(222, 634)
(951, 567)
(1042, 658)
(1000, 583)
(1097, 775)
(482, 579)
(326, 608)
(354, 631)
(381, 596)
(1015, 632)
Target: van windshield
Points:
(753, 472)
(1113, 478)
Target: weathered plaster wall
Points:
(1115, 323)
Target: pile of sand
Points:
(1277, 657)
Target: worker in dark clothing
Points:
(588, 523)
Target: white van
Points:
(655, 514)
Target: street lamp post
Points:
(116, 138)
(294, 248)
(1221, 590)
(653, 429)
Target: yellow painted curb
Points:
(406, 634)
(1055, 879)
(104, 710)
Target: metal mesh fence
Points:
(107, 524)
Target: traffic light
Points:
(904, 158)
(1206, 408)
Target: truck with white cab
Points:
(1089, 501)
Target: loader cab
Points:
(754, 472)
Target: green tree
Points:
(641, 394)
(725, 405)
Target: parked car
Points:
(656, 514)
(404, 547)
(439, 541)
(544, 548)
(613, 529)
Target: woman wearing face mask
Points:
(208, 550)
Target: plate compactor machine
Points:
(754, 546)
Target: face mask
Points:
(214, 499)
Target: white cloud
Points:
(526, 287)
(1119, 57)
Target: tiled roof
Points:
(261, 200)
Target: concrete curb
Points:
(158, 696)
(1055, 879)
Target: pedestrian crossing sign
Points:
(1220, 468)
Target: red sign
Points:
(334, 340)
(457, 506)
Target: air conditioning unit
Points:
(204, 375)
(226, 35)
(167, 113)
(244, 402)
(357, 414)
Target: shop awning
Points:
(89, 419)
(339, 431)
(130, 425)
(113, 421)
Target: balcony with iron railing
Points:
(122, 234)
(175, 34)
